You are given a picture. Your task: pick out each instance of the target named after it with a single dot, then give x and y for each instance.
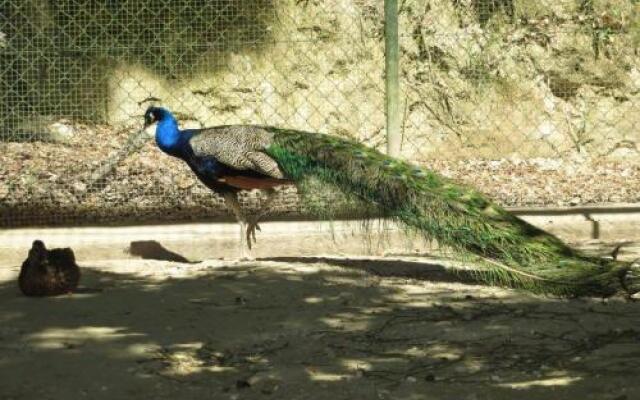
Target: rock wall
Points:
(480, 78)
(318, 71)
(522, 79)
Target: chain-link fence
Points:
(534, 102)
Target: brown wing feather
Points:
(249, 182)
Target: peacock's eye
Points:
(149, 118)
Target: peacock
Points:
(509, 251)
(226, 159)
(48, 272)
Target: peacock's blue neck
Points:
(168, 136)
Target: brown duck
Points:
(48, 272)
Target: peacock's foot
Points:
(252, 226)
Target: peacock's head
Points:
(155, 114)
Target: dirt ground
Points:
(310, 328)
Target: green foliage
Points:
(512, 252)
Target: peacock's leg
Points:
(231, 200)
(249, 223)
(265, 207)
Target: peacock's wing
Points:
(514, 252)
(240, 147)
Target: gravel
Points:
(45, 183)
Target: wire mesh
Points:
(535, 102)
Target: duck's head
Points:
(38, 245)
(38, 251)
(156, 114)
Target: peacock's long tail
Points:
(513, 252)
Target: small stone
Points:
(61, 132)
(79, 186)
(411, 379)
(184, 183)
(264, 382)
(615, 198)
(242, 384)
(166, 180)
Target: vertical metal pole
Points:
(392, 86)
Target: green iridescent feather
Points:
(512, 252)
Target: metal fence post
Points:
(392, 90)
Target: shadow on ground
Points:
(429, 271)
(318, 329)
(153, 250)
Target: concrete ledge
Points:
(608, 223)
(210, 241)
(302, 238)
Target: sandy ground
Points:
(310, 328)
